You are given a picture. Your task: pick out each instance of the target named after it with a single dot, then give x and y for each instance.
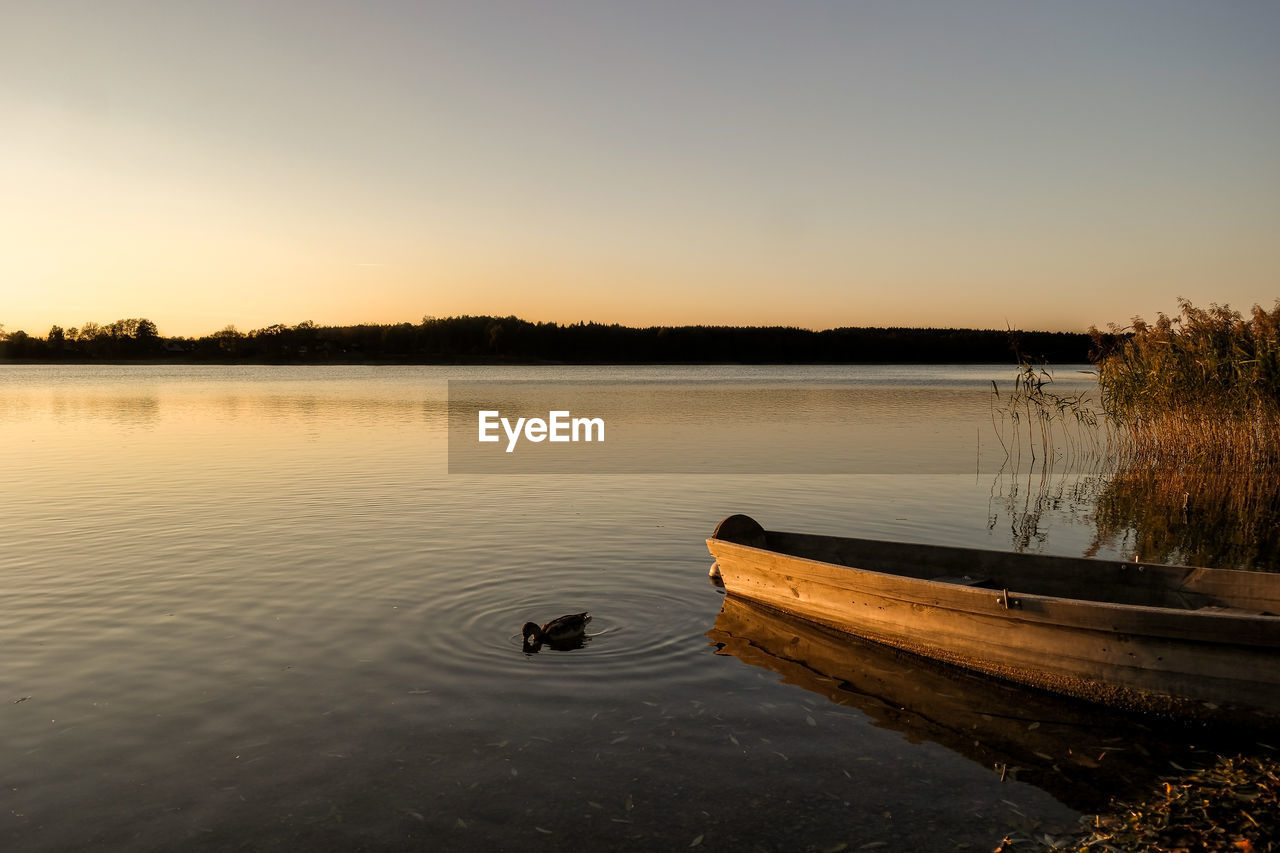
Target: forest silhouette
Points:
(511, 340)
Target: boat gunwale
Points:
(1197, 620)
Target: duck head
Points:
(532, 636)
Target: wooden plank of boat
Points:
(1171, 639)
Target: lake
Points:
(250, 608)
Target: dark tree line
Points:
(123, 339)
(512, 340)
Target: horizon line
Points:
(428, 318)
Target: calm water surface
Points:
(247, 608)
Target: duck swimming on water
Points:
(565, 631)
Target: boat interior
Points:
(1142, 584)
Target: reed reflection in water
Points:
(1063, 456)
(1178, 515)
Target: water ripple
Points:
(631, 638)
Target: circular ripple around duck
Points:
(644, 624)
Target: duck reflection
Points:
(1079, 753)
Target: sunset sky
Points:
(1038, 164)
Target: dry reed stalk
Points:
(1201, 389)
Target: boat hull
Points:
(1209, 662)
(1059, 745)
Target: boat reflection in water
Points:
(1081, 754)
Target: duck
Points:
(561, 631)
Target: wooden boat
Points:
(1174, 640)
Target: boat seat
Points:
(963, 580)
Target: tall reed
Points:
(1199, 389)
(1054, 428)
(1182, 464)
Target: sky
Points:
(1046, 165)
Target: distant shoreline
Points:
(162, 362)
(489, 340)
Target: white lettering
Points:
(513, 435)
(487, 423)
(559, 427)
(587, 424)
